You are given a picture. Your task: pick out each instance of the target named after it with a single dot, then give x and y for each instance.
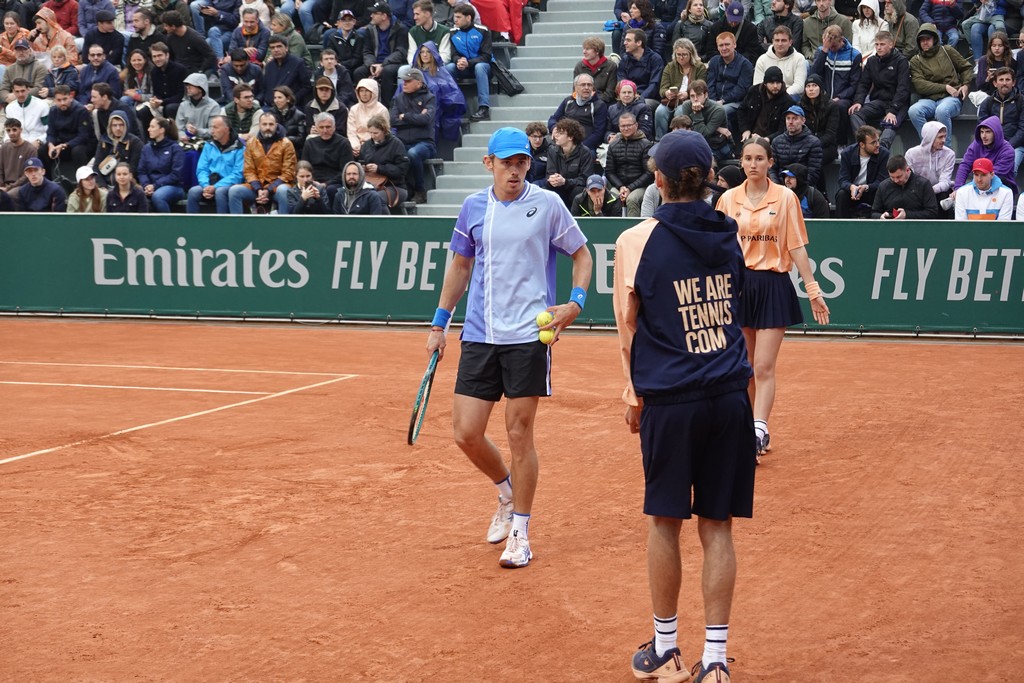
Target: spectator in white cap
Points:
(88, 196)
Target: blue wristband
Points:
(441, 318)
(578, 296)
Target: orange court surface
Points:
(237, 502)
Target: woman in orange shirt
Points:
(773, 237)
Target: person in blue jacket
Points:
(220, 167)
(677, 283)
(162, 165)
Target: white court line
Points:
(174, 419)
(165, 367)
(118, 386)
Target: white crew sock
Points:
(520, 525)
(714, 644)
(760, 428)
(664, 634)
(505, 488)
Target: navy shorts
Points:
(706, 446)
(489, 371)
(768, 301)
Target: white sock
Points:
(520, 525)
(761, 428)
(664, 634)
(714, 644)
(505, 488)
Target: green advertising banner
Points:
(911, 275)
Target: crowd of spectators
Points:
(218, 105)
(91, 90)
(824, 84)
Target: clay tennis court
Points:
(296, 537)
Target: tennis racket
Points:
(419, 408)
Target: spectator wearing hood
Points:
(26, 66)
(413, 113)
(219, 167)
(596, 201)
(97, 70)
(356, 197)
(585, 108)
(119, 144)
(812, 202)
(268, 169)
(941, 77)
(451, 103)
(866, 26)
(603, 70)
(734, 21)
(903, 26)
(285, 69)
(325, 101)
(796, 145)
(1007, 105)
(48, 33)
(162, 166)
(815, 25)
(904, 194)
(39, 194)
(65, 14)
(193, 117)
(883, 94)
(784, 57)
(934, 160)
(984, 198)
(990, 144)
(628, 103)
(764, 108)
(102, 32)
(327, 151)
(359, 114)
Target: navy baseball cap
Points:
(681, 149)
(734, 12)
(33, 162)
(595, 181)
(799, 111)
(508, 142)
(22, 44)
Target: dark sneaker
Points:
(482, 114)
(668, 668)
(718, 672)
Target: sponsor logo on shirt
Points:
(531, 212)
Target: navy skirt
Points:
(768, 301)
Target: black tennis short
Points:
(489, 371)
(705, 446)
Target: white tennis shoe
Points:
(517, 552)
(501, 523)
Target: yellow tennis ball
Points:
(546, 336)
(543, 318)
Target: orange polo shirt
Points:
(769, 231)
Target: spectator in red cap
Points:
(985, 198)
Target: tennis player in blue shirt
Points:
(505, 241)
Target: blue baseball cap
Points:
(508, 142)
(33, 162)
(681, 149)
(799, 111)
